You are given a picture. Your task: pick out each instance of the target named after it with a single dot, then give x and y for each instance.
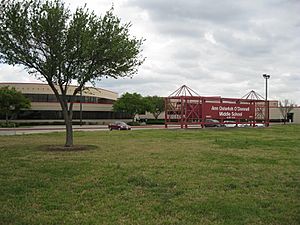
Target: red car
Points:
(119, 125)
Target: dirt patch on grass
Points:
(61, 148)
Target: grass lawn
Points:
(194, 176)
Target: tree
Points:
(132, 104)
(63, 48)
(12, 101)
(285, 107)
(156, 105)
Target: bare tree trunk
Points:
(156, 115)
(68, 122)
(69, 128)
(69, 132)
(67, 111)
(6, 117)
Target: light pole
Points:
(267, 77)
(80, 113)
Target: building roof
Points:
(42, 88)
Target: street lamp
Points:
(267, 77)
(80, 113)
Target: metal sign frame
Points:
(184, 109)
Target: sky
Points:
(215, 47)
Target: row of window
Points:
(52, 98)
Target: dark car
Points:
(212, 123)
(119, 125)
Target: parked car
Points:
(250, 125)
(119, 125)
(212, 123)
(229, 123)
(259, 125)
(244, 125)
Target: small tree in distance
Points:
(285, 107)
(132, 104)
(63, 48)
(12, 101)
(155, 105)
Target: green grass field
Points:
(194, 176)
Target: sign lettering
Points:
(229, 111)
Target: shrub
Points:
(153, 121)
(9, 125)
(133, 123)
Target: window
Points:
(52, 98)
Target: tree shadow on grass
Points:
(61, 148)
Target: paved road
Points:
(61, 128)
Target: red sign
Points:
(229, 111)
